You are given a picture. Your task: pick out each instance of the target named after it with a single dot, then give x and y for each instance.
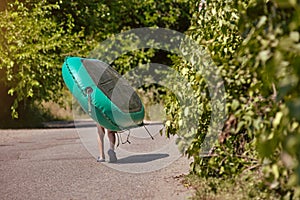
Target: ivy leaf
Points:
(277, 119)
(235, 104)
(264, 55)
(295, 36)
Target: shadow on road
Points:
(70, 124)
(141, 158)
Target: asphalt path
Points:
(59, 163)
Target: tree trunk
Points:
(6, 102)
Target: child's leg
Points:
(100, 138)
(112, 141)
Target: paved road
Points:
(59, 164)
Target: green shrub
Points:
(32, 50)
(255, 45)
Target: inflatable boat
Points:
(102, 93)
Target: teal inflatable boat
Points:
(103, 93)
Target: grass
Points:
(36, 114)
(57, 111)
(243, 187)
(32, 116)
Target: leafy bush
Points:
(35, 36)
(255, 45)
(32, 46)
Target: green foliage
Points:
(255, 45)
(277, 36)
(245, 186)
(32, 48)
(103, 18)
(216, 28)
(35, 36)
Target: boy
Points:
(112, 140)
